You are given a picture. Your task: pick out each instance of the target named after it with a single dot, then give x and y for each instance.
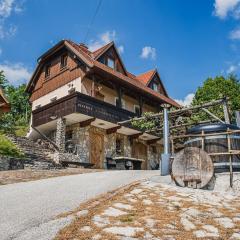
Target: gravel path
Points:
(29, 208)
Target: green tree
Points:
(216, 88)
(18, 118)
(20, 107)
(3, 80)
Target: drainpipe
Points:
(166, 155)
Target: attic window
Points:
(63, 61)
(47, 71)
(155, 87)
(110, 62)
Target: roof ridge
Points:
(100, 50)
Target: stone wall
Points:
(81, 139)
(60, 134)
(153, 157)
(127, 147)
(110, 145)
(10, 163)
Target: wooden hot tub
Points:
(217, 144)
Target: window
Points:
(63, 61)
(47, 71)
(53, 99)
(155, 87)
(110, 62)
(137, 110)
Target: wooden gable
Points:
(112, 53)
(155, 79)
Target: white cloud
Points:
(103, 39)
(16, 73)
(223, 7)
(10, 31)
(187, 100)
(121, 49)
(148, 52)
(231, 69)
(235, 34)
(7, 8)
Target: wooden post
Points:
(172, 143)
(230, 159)
(237, 113)
(226, 112)
(141, 105)
(203, 141)
(93, 87)
(119, 92)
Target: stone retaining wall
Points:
(10, 163)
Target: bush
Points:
(8, 148)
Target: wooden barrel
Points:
(192, 167)
(217, 144)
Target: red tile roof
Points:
(139, 82)
(146, 77)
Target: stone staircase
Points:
(38, 154)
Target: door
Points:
(96, 149)
(140, 152)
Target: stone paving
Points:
(157, 211)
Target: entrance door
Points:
(140, 152)
(96, 149)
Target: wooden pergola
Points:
(180, 120)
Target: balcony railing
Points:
(80, 103)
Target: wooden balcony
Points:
(80, 103)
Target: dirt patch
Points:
(15, 176)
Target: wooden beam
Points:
(136, 135)
(87, 122)
(181, 125)
(112, 130)
(46, 138)
(212, 115)
(180, 111)
(226, 111)
(152, 141)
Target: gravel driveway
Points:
(29, 208)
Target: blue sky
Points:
(186, 40)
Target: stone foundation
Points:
(80, 136)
